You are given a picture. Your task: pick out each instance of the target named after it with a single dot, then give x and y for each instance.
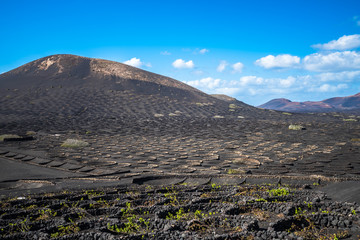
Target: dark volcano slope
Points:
(69, 92)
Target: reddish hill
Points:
(328, 105)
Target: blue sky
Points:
(252, 50)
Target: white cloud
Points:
(274, 83)
(135, 62)
(356, 19)
(197, 50)
(279, 61)
(250, 80)
(329, 88)
(332, 62)
(222, 66)
(215, 86)
(254, 85)
(345, 42)
(237, 67)
(288, 82)
(165, 53)
(198, 72)
(179, 63)
(203, 51)
(251, 87)
(346, 76)
(267, 91)
(230, 91)
(205, 83)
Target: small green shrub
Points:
(2, 137)
(30, 133)
(233, 171)
(74, 143)
(65, 230)
(22, 226)
(172, 196)
(260, 200)
(349, 120)
(180, 214)
(215, 187)
(353, 212)
(134, 223)
(45, 214)
(296, 127)
(129, 227)
(158, 115)
(278, 192)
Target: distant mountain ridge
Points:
(336, 104)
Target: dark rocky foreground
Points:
(181, 178)
(206, 210)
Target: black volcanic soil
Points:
(150, 139)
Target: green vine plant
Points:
(171, 194)
(309, 204)
(133, 223)
(93, 193)
(278, 192)
(45, 214)
(180, 214)
(22, 226)
(215, 187)
(65, 230)
(353, 212)
(72, 205)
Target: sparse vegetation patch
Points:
(158, 115)
(2, 137)
(232, 106)
(74, 143)
(296, 127)
(349, 120)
